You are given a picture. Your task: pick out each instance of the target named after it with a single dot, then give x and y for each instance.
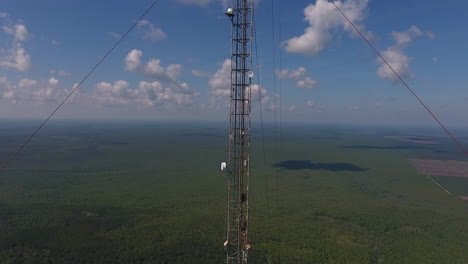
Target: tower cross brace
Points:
(238, 165)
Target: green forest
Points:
(135, 192)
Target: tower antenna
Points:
(238, 165)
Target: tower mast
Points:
(237, 244)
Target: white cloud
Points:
(148, 94)
(32, 90)
(6, 88)
(292, 108)
(402, 38)
(133, 60)
(399, 62)
(257, 92)
(324, 21)
(53, 82)
(406, 37)
(395, 55)
(292, 74)
(151, 32)
(152, 68)
(26, 83)
(296, 74)
(54, 42)
(60, 73)
(435, 59)
(3, 14)
(310, 103)
(48, 92)
(307, 83)
(17, 58)
(117, 93)
(18, 31)
(220, 82)
(167, 89)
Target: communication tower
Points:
(238, 164)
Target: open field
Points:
(149, 192)
(453, 168)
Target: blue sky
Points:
(171, 66)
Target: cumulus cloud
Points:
(399, 62)
(31, 90)
(406, 37)
(152, 68)
(16, 57)
(310, 103)
(295, 74)
(292, 74)
(50, 91)
(324, 21)
(167, 89)
(6, 89)
(257, 92)
(307, 83)
(18, 31)
(151, 32)
(220, 82)
(27, 83)
(395, 55)
(147, 94)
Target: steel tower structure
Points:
(237, 243)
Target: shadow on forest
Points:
(308, 165)
(379, 147)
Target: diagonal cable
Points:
(12, 157)
(402, 81)
(261, 114)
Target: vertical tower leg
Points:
(237, 243)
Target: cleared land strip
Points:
(441, 167)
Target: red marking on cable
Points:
(404, 83)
